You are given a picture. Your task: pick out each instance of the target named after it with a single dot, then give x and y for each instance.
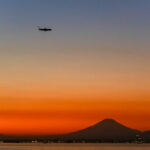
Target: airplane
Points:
(44, 29)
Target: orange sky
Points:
(22, 116)
(72, 102)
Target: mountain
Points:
(106, 130)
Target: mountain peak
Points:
(108, 120)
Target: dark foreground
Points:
(73, 146)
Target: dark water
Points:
(61, 146)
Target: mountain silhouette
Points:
(108, 129)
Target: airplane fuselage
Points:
(45, 29)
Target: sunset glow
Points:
(93, 65)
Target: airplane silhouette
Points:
(44, 29)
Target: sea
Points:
(73, 146)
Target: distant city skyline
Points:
(93, 65)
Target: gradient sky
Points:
(93, 65)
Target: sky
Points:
(93, 65)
